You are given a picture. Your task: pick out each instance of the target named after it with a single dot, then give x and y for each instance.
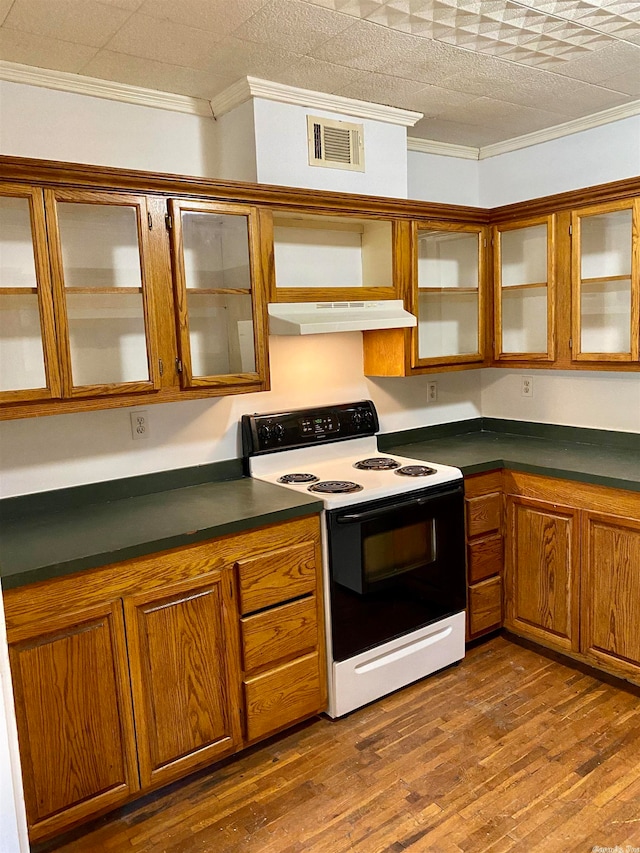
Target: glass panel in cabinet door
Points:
(605, 303)
(102, 269)
(448, 294)
(217, 273)
(524, 290)
(25, 298)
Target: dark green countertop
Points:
(57, 533)
(589, 456)
(49, 543)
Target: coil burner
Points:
(298, 478)
(335, 487)
(415, 471)
(377, 463)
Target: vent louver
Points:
(335, 144)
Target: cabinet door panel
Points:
(524, 290)
(185, 694)
(542, 572)
(485, 606)
(28, 356)
(605, 289)
(218, 268)
(611, 590)
(485, 558)
(448, 295)
(276, 577)
(283, 632)
(104, 296)
(282, 696)
(74, 718)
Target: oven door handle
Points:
(354, 517)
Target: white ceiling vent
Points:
(335, 144)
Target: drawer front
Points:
(276, 577)
(485, 558)
(283, 632)
(485, 606)
(484, 514)
(283, 696)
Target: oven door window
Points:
(390, 549)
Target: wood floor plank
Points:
(509, 752)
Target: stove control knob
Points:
(357, 419)
(278, 432)
(265, 432)
(368, 417)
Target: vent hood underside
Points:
(313, 318)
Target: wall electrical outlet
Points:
(139, 425)
(527, 386)
(432, 392)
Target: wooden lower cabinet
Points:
(130, 676)
(542, 571)
(611, 592)
(74, 715)
(483, 508)
(572, 579)
(182, 659)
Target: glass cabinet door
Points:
(449, 271)
(28, 359)
(103, 292)
(524, 290)
(605, 285)
(218, 293)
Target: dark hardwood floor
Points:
(509, 751)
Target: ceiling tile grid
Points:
(481, 71)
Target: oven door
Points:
(395, 565)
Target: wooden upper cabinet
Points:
(28, 357)
(103, 294)
(524, 290)
(448, 293)
(332, 258)
(218, 264)
(605, 277)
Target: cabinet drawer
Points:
(276, 577)
(485, 606)
(284, 632)
(283, 696)
(484, 558)
(484, 514)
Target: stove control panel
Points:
(274, 431)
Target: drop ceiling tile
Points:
(5, 5)
(355, 8)
(77, 21)
(131, 5)
(107, 65)
(241, 58)
(455, 132)
(628, 82)
(367, 46)
(164, 41)
(41, 52)
(290, 25)
(599, 66)
(218, 16)
(434, 101)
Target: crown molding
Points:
(253, 87)
(64, 81)
(445, 149)
(559, 130)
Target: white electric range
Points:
(393, 545)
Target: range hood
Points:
(313, 318)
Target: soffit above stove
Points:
(313, 318)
